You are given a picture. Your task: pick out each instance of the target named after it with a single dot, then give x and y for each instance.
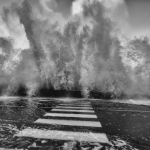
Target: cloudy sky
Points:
(132, 16)
(138, 17)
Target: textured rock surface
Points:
(9, 141)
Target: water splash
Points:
(79, 52)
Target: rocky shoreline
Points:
(8, 140)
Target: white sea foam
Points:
(134, 101)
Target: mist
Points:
(81, 51)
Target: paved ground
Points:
(128, 121)
(73, 115)
(72, 124)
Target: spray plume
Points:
(80, 51)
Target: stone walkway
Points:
(69, 118)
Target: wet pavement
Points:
(126, 125)
(128, 121)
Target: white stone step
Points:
(66, 107)
(71, 110)
(71, 115)
(74, 104)
(63, 135)
(69, 122)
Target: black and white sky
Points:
(133, 16)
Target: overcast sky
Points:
(133, 16)
(139, 16)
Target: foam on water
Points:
(134, 101)
(8, 97)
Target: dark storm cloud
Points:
(4, 3)
(61, 6)
(139, 15)
(7, 12)
(24, 14)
